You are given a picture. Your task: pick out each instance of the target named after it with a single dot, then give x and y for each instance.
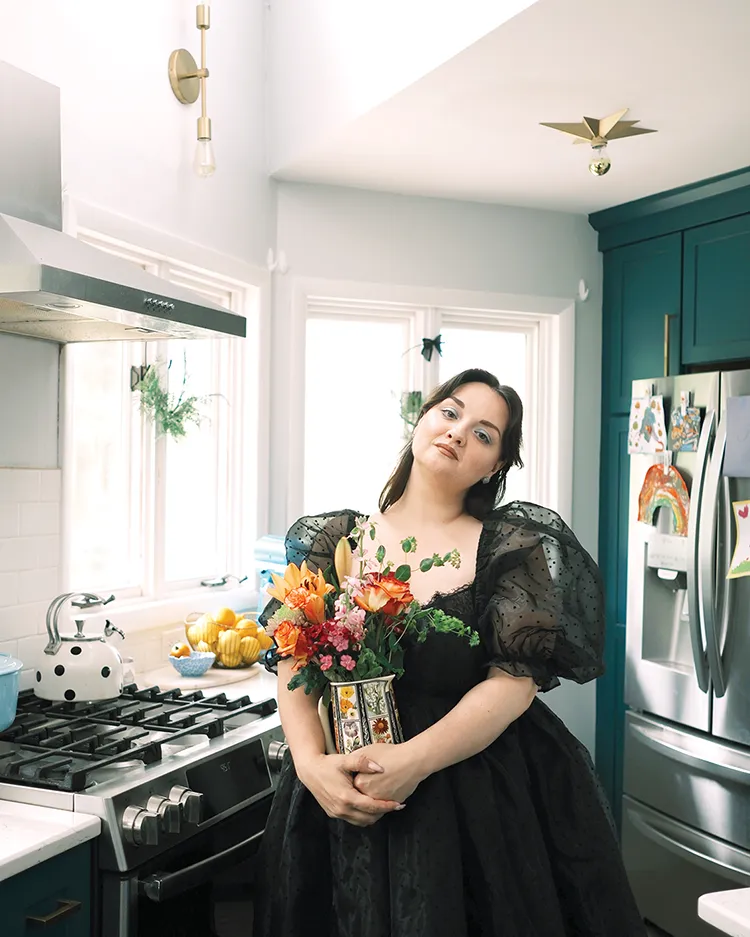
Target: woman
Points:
(488, 819)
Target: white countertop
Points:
(729, 911)
(30, 835)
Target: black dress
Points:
(515, 841)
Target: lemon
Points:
(224, 617)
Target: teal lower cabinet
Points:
(52, 899)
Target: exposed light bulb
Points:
(204, 162)
(599, 163)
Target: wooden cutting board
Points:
(168, 679)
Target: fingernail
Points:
(400, 807)
(373, 767)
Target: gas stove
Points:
(157, 766)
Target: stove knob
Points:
(140, 827)
(169, 813)
(189, 801)
(275, 753)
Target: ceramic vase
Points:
(361, 712)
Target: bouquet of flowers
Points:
(349, 623)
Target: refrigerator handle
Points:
(708, 579)
(694, 606)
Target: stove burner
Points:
(60, 744)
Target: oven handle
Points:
(162, 886)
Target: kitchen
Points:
(127, 174)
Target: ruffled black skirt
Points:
(513, 842)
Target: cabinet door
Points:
(53, 898)
(642, 284)
(716, 309)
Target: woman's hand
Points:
(399, 778)
(330, 779)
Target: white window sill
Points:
(135, 615)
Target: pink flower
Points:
(348, 663)
(356, 623)
(326, 661)
(340, 641)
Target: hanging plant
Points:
(411, 404)
(170, 414)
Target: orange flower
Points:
(292, 642)
(303, 589)
(384, 594)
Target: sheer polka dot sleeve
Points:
(542, 604)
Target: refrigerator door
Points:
(666, 670)
(728, 605)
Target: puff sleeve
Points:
(542, 603)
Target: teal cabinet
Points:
(613, 539)
(53, 898)
(642, 285)
(716, 299)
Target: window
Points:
(356, 369)
(378, 345)
(150, 516)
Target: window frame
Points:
(248, 289)
(548, 321)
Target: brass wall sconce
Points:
(188, 82)
(598, 133)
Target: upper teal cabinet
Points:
(716, 298)
(642, 285)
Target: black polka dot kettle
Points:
(79, 667)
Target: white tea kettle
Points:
(79, 667)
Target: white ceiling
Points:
(470, 129)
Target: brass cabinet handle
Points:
(667, 317)
(65, 908)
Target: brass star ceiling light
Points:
(598, 133)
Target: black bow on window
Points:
(429, 345)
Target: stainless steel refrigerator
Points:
(686, 784)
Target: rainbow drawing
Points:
(664, 487)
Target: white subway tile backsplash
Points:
(18, 553)
(10, 515)
(20, 621)
(39, 520)
(20, 485)
(35, 585)
(8, 589)
(48, 552)
(29, 558)
(9, 647)
(50, 486)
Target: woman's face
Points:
(460, 437)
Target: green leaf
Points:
(403, 573)
(380, 553)
(372, 531)
(447, 557)
(437, 560)
(426, 564)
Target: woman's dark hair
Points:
(480, 498)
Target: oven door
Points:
(201, 887)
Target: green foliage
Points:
(170, 414)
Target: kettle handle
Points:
(53, 645)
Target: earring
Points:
(486, 480)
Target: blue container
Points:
(9, 670)
(195, 665)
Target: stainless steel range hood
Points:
(52, 285)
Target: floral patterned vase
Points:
(362, 712)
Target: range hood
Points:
(54, 286)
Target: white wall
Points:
(333, 60)
(127, 142)
(353, 235)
